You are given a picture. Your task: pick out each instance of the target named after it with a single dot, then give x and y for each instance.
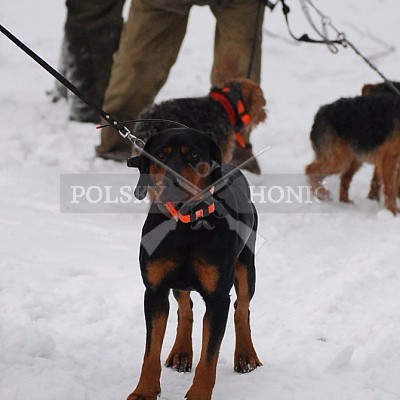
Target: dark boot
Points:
(113, 146)
(244, 156)
(91, 36)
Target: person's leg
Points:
(238, 30)
(91, 36)
(238, 25)
(149, 46)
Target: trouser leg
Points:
(91, 36)
(149, 46)
(238, 29)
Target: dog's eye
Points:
(193, 155)
(161, 156)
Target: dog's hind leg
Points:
(375, 189)
(345, 180)
(181, 356)
(316, 173)
(333, 156)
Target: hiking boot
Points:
(245, 156)
(120, 155)
(81, 112)
(112, 146)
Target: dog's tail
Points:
(321, 131)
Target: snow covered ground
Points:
(325, 317)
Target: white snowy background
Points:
(326, 314)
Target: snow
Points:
(325, 317)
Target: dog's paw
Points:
(145, 392)
(143, 396)
(346, 201)
(181, 362)
(372, 195)
(246, 363)
(198, 393)
(322, 194)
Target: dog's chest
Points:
(192, 257)
(193, 273)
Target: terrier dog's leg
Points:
(345, 180)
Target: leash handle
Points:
(122, 129)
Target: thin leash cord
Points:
(255, 39)
(324, 21)
(341, 36)
(138, 120)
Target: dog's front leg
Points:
(156, 308)
(181, 355)
(214, 324)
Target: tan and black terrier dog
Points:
(351, 131)
(370, 89)
(199, 236)
(379, 88)
(227, 114)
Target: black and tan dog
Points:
(351, 131)
(379, 88)
(207, 248)
(370, 89)
(227, 113)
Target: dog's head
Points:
(368, 89)
(176, 164)
(379, 88)
(253, 98)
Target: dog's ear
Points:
(141, 187)
(367, 89)
(133, 162)
(254, 99)
(143, 164)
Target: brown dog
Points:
(351, 131)
(373, 89)
(227, 114)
